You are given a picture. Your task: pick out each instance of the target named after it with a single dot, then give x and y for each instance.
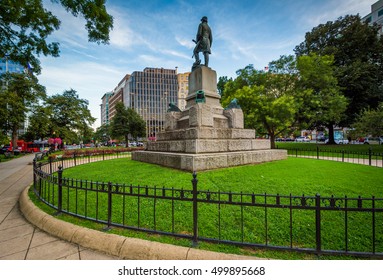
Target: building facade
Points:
(376, 15)
(117, 96)
(104, 107)
(149, 93)
(7, 65)
(183, 89)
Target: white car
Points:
(302, 139)
(338, 141)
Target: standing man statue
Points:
(203, 41)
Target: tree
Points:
(69, 116)
(358, 60)
(39, 123)
(270, 100)
(102, 133)
(127, 122)
(327, 105)
(222, 81)
(19, 93)
(369, 122)
(26, 25)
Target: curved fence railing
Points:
(314, 224)
(367, 158)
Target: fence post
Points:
(369, 155)
(34, 174)
(60, 189)
(195, 210)
(74, 157)
(50, 165)
(109, 204)
(40, 180)
(318, 224)
(317, 152)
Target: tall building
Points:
(105, 108)
(376, 15)
(149, 92)
(183, 89)
(117, 96)
(7, 65)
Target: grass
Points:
(358, 153)
(347, 147)
(293, 176)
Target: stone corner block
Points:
(235, 117)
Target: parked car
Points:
(302, 139)
(338, 141)
(6, 148)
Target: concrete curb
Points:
(112, 244)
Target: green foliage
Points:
(62, 115)
(358, 60)
(26, 25)
(102, 133)
(370, 122)
(127, 122)
(270, 101)
(326, 105)
(39, 123)
(70, 115)
(20, 93)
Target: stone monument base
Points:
(198, 162)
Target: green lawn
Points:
(313, 146)
(294, 176)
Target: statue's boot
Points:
(206, 56)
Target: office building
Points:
(376, 15)
(117, 96)
(183, 89)
(104, 107)
(149, 93)
(7, 65)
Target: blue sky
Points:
(155, 33)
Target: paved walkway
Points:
(20, 240)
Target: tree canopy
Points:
(63, 115)
(358, 60)
(269, 100)
(26, 25)
(20, 93)
(293, 94)
(127, 122)
(370, 122)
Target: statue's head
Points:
(204, 19)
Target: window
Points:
(380, 13)
(368, 20)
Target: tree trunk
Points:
(272, 140)
(14, 139)
(331, 140)
(126, 141)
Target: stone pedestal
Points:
(205, 136)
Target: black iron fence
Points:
(369, 157)
(314, 224)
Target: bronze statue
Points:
(204, 40)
